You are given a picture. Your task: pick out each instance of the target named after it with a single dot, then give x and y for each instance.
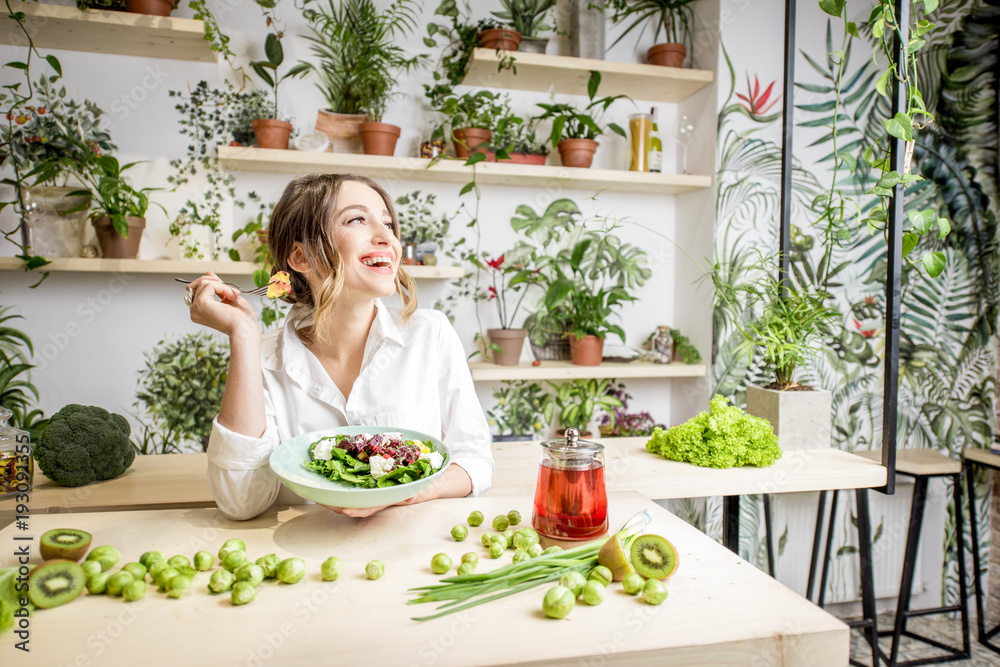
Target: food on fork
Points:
(279, 285)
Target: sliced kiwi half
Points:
(612, 556)
(653, 557)
(65, 543)
(55, 583)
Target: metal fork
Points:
(260, 291)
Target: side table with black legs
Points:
(991, 461)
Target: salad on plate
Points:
(369, 461)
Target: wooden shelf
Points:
(539, 72)
(238, 158)
(184, 267)
(484, 371)
(122, 33)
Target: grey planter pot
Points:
(533, 44)
(801, 419)
(586, 29)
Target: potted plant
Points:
(119, 210)
(515, 140)
(472, 117)
(782, 324)
(583, 289)
(523, 410)
(578, 402)
(510, 274)
(360, 63)
(420, 225)
(673, 17)
(113, 5)
(151, 7)
(181, 388)
(527, 17)
(495, 36)
(243, 109)
(271, 131)
(46, 140)
(618, 422)
(575, 131)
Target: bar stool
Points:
(921, 465)
(986, 459)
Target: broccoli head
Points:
(84, 444)
(722, 437)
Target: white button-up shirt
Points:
(413, 375)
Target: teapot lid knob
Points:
(572, 437)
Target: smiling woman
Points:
(342, 358)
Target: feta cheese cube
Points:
(434, 458)
(323, 451)
(380, 465)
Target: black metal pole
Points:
(894, 273)
(787, 129)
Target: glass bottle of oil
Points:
(15, 458)
(655, 159)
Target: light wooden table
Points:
(721, 610)
(152, 482)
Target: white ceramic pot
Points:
(801, 419)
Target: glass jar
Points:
(15, 458)
(640, 127)
(663, 344)
(571, 502)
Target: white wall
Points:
(91, 330)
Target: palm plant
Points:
(359, 60)
(17, 393)
(673, 17)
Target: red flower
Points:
(496, 262)
(41, 111)
(866, 333)
(870, 298)
(493, 292)
(757, 103)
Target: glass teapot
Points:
(570, 500)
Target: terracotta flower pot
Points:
(504, 39)
(525, 158)
(669, 54)
(271, 133)
(586, 351)
(468, 138)
(577, 152)
(344, 130)
(113, 245)
(511, 341)
(379, 138)
(152, 7)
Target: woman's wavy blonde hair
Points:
(304, 214)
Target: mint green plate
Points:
(289, 459)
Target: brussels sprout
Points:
(106, 555)
(375, 569)
(150, 557)
(654, 591)
(559, 602)
(187, 571)
(459, 532)
(471, 558)
(632, 583)
(234, 559)
(135, 590)
(221, 581)
(118, 581)
(179, 560)
(593, 592)
(535, 550)
(91, 567)
(573, 581)
(269, 564)
(164, 577)
(496, 549)
(98, 584)
(249, 572)
(500, 522)
(178, 586)
(513, 517)
(155, 568)
(440, 563)
(487, 538)
(520, 555)
(331, 568)
(466, 568)
(551, 550)
(203, 561)
(291, 570)
(476, 519)
(601, 574)
(525, 537)
(243, 592)
(235, 543)
(136, 570)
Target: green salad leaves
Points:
(343, 466)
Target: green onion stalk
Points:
(471, 590)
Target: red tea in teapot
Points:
(570, 504)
